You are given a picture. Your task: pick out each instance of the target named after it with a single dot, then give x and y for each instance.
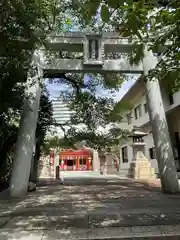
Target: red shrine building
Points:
(79, 160)
(73, 160)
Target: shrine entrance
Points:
(97, 53)
(80, 160)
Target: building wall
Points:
(140, 99)
(126, 164)
(149, 145)
(141, 119)
(144, 115)
(173, 119)
(172, 110)
(166, 101)
(176, 100)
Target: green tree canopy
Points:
(95, 115)
(155, 23)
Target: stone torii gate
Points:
(95, 49)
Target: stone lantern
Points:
(138, 142)
(140, 167)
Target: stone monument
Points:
(140, 167)
(107, 163)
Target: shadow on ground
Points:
(89, 203)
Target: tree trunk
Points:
(25, 142)
(164, 152)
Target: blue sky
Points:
(55, 88)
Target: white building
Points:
(61, 112)
(138, 116)
(62, 115)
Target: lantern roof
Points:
(136, 132)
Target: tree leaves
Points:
(150, 25)
(137, 54)
(115, 3)
(28, 20)
(93, 7)
(105, 14)
(93, 113)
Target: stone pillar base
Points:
(45, 170)
(96, 161)
(141, 169)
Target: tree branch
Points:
(73, 82)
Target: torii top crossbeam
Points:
(93, 48)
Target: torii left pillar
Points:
(26, 137)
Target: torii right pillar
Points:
(162, 142)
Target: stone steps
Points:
(49, 219)
(98, 208)
(139, 233)
(148, 233)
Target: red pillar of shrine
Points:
(77, 163)
(87, 163)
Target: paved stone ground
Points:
(91, 207)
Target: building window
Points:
(124, 155)
(137, 112)
(145, 108)
(129, 118)
(171, 99)
(152, 153)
